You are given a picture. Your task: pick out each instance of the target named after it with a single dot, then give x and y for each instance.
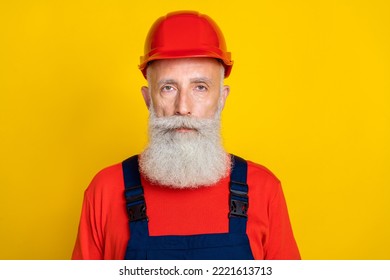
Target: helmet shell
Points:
(185, 34)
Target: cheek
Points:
(162, 107)
(208, 108)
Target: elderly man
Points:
(185, 197)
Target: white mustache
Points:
(169, 124)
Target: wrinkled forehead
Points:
(176, 68)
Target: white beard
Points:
(184, 159)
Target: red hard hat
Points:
(185, 34)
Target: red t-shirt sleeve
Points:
(268, 228)
(281, 243)
(103, 230)
(89, 242)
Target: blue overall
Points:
(233, 245)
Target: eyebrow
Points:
(166, 81)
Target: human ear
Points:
(146, 95)
(224, 94)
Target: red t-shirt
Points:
(104, 229)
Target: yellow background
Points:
(309, 100)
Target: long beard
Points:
(187, 159)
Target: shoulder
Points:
(106, 181)
(108, 175)
(261, 172)
(262, 182)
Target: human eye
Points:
(201, 88)
(167, 88)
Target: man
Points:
(184, 197)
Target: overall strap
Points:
(134, 192)
(239, 202)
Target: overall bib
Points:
(233, 245)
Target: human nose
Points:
(183, 104)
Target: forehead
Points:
(185, 68)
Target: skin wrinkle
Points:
(195, 157)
